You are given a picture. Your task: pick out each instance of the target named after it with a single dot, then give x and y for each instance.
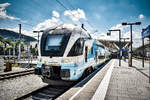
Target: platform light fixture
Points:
(38, 34)
(108, 34)
(136, 23)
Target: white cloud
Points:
(137, 39)
(3, 12)
(55, 14)
(101, 36)
(49, 22)
(115, 34)
(53, 21)
(126, 34)
(75, 15)
(141, 16)
(46, 24)
(119, 26)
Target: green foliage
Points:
(6, 40)
(22, 46)
(33, 50)
(14, 35)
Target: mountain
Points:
(15, 36)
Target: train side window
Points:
(86, 53)
(77, 48)
(96, 55)
(92, 50)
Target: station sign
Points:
(124, 49)
(146, 32)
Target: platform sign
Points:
(146, 32)
(124, 50)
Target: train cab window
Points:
(54, 44)
(77, 48)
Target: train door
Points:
(86, 53)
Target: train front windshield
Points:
(54, 44)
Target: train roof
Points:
(66, 28)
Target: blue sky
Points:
(102, 15)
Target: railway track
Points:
(15, 74)
(50, 92)
(45, 93)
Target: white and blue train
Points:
(66, 53)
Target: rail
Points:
(15, 74)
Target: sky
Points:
(98, 16)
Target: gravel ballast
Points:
(10, 89)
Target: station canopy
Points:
(113, 46)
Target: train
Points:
(67, 53)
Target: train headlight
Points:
(46, 62)
(66, 60)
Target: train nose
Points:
(47, 71)
(51, 72)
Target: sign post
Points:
(146, 34)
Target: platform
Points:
(127, 83)
(113, 82)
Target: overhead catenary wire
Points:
(73, 7)
(71, 14)
(22, 22)
(31, 25)
(60, 3)
(67, 9)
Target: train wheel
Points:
(87, 71)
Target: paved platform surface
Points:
(86, 89)
(138, 65)
(127, 83)
(113, 82)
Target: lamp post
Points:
(38, 38)
(38, 34)
(149, 55)
(143, 49)
(119, 42)
(19, 48)
(130, 56)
